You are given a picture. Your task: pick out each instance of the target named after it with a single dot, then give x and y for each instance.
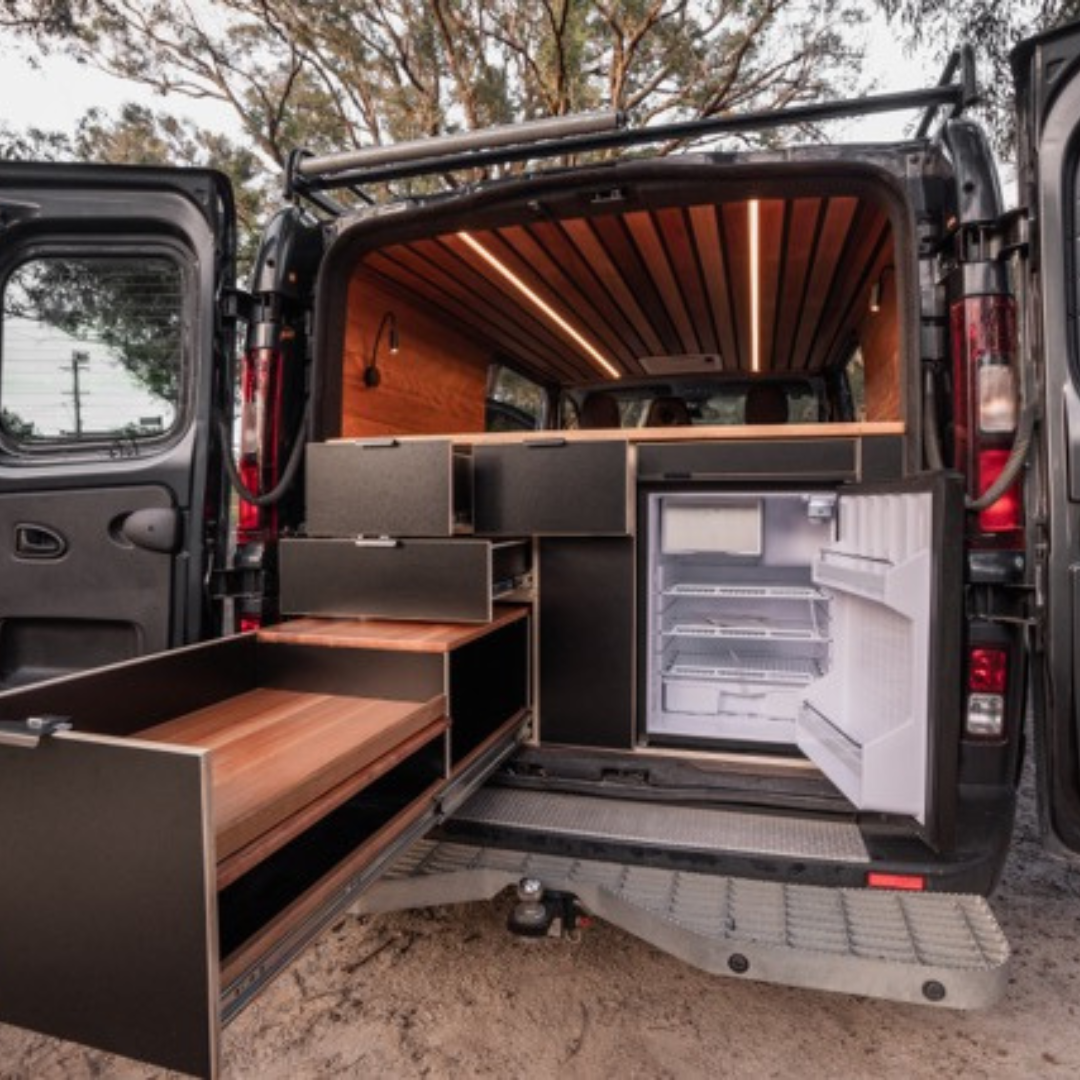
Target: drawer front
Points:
(553, 487)
(387, 488)
(439, 580)
(107, 933)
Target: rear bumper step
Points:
(925, 948)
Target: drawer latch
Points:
(29, 732)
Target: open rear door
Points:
(108, 283)
(1047, 71)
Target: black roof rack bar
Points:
(531, 131)
(964, 60)
(439, 162)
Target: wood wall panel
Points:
(436, 384)
(879, 338)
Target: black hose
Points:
(931, 437)
(275, 494)
(1006, 478)
(1017, 456)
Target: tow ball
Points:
(542, 912)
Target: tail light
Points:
(986, 406)
(260, 420)
(988, 681)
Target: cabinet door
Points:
(553, 487)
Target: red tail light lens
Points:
(1005, 515)
(988, 671)
(988, 679)
(986, 409)
(250, 622)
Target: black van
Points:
(671, 537)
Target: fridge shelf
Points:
(737, 628)
(701, 590)
(770, 670)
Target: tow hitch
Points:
(545, 913)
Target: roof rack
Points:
(308, 176)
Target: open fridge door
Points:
(881, 723)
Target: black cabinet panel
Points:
(802, 459)
(587, 642)
(441, 580)
(382, 487)
(552, 487)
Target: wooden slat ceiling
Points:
(653, 283)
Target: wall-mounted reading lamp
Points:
(372, 378)
(875, 289)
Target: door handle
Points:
(156, 529)
(38, 542)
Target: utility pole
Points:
(79, 359)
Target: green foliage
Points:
(994, 29)
(341, 74)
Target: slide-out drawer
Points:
(214, 808)
(451, 580)
(383, 487)
(550, 486)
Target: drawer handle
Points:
(376, 444)
(376, 542)
(28, 734)
(544, 444)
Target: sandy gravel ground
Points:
(447, 993)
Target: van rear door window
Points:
(91, 350)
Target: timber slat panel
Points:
(272, 752)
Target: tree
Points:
(349, 73)
(994, 28)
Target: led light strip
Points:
(754, 211)
(605, 365)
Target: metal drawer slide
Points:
(927, 948)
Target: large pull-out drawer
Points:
(214, 808)
(453, 580)
(553, 487)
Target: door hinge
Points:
(237, 583)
